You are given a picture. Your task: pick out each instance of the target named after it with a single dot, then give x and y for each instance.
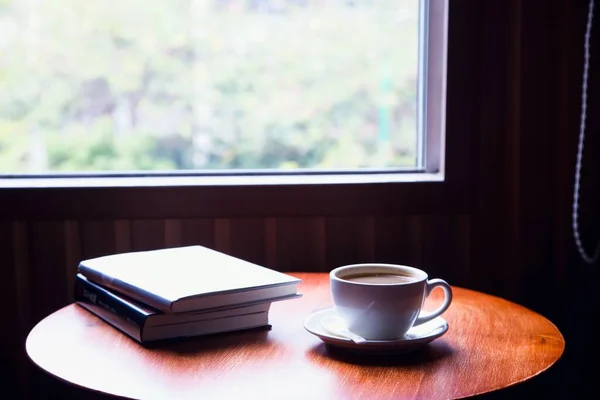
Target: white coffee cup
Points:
(383, 301)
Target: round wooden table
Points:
(491, 344)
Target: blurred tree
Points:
(196, 84)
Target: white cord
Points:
(584, 89)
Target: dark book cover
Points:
(160, 334)
(98, 297)
(141, 314)
(135, 319)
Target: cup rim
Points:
(419, 274)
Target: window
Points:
(274, 101)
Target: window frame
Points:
(446, 185)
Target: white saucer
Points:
(415, 337)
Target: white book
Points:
(190, 278)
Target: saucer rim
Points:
(333, 339)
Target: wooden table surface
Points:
(491, 344)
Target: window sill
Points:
(215, 180)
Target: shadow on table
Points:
(427, 354)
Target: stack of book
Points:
(180, 292)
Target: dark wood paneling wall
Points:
(43, 255)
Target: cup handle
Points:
(432, 284)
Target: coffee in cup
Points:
(383, 301)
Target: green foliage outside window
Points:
(102, 85)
